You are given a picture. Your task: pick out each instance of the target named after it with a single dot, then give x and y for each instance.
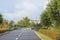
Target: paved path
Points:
(24, 34)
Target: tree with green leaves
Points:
(54, 11)
(52, 14)
(45, 20)
(11, 24)
(1, 19)
(25, 22)
(32, 24)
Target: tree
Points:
(25, 22)
(11, 24)
(32, 24)
(5, 25)
(1, 19)
(45, 20)
(38, 26)
(21, 23)
(54, 14)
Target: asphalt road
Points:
(24, 34)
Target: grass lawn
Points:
(44, 37)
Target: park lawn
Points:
(43, 36)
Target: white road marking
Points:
(17, 38)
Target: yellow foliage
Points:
(4, 27)
(51, 34)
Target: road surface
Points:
(24, 34)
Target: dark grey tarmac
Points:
(24, 34)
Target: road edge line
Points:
(38, 35)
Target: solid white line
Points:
(38, 35)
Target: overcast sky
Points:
(17, 9)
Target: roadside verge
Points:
(42, 36)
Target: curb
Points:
(4, 33)
(38, 35)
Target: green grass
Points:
(44, 36)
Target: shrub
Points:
(54, 35)
(2, 31)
